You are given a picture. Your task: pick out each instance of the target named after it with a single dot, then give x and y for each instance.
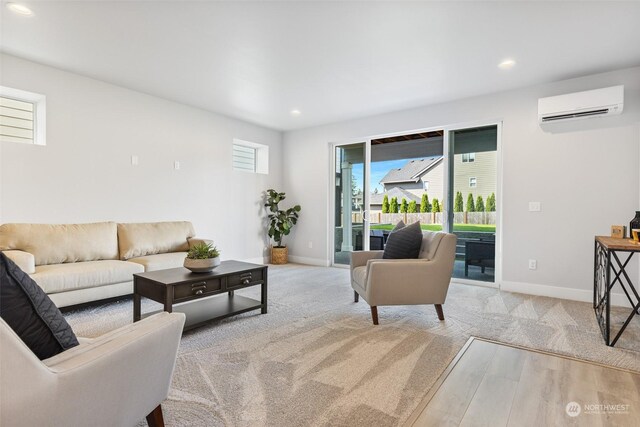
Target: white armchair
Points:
(114, 380)
(424, 280)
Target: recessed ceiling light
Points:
(295, 112)
(19, 9)
(507, 64)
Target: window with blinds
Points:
(244, 158)
(17, 120)
(22, 116)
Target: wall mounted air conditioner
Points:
(590, 103)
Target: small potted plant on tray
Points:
(202, 258)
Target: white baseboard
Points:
(561, 292)
(309, 261)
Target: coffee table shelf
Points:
(202, 297)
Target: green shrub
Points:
(403, 206)
(424, 203)
(393, 207)
(385, 204)
(457, 205)
(471, 206)
(436, 206)
(413, 207)
(479, 204)
(491, 203)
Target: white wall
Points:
(586, 176)
(84, 173)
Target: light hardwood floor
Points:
(491, 384)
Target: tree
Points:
(479, 204)
(436, 206)
(403, 206)
(413, 207)
(491, 203)
(457, 205)
(424, 203)
(393, 208)
(471, 206)
(385, 204)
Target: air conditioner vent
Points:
(581, 105)
(575, 115)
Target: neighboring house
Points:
(473, 173)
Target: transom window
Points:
(22, 116)
(468, 157)
(250, 157)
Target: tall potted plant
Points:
(280, 224)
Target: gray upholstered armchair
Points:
(113, 380)
(405, 281)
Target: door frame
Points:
(498, 122)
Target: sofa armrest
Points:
(360, 258)
(24, 260)
(402, 281)
(197, 240)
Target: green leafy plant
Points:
(413, 207)
(436, 206)
(479, 204)
(471, 206)
(203, 250)
(385, 204)
(393, 207)
(491, 203)
(458, 204)
(424, 203)
(403, 206)
(280, 221)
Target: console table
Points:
(202, 297)
(606, 274)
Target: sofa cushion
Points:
(404, 243)
(31, 314)
(160, 261)
(24, 260)
(58, 243)
(430, 242)
(79, 275)
(140, 239)
(360, 275)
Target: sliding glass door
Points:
(349, 201)
(473, 177)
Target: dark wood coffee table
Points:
(201, 296)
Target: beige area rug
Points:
(316, 359)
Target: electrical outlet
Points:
(134, 160)
(176, 165)
(533, 264)
(310, 244)
(534, 207)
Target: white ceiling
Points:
(331, 60)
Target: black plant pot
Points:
(634, 224)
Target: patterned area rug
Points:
(316, 359)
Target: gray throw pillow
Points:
(404, 243)
(31, 313)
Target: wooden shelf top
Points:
(618, 244)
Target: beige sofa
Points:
(78, 263)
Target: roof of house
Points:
(411, 171)
(376, 199)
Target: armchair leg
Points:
(356, 297)
(155, 419)
(439, 311)
(374, 314)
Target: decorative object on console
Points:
(280, 224)
(618, 231)
(634, 224)
(202, 258)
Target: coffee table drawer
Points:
(197, 289)
(247, 278)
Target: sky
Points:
(378, 171)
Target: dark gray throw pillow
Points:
(31, 313)
(404, 243)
